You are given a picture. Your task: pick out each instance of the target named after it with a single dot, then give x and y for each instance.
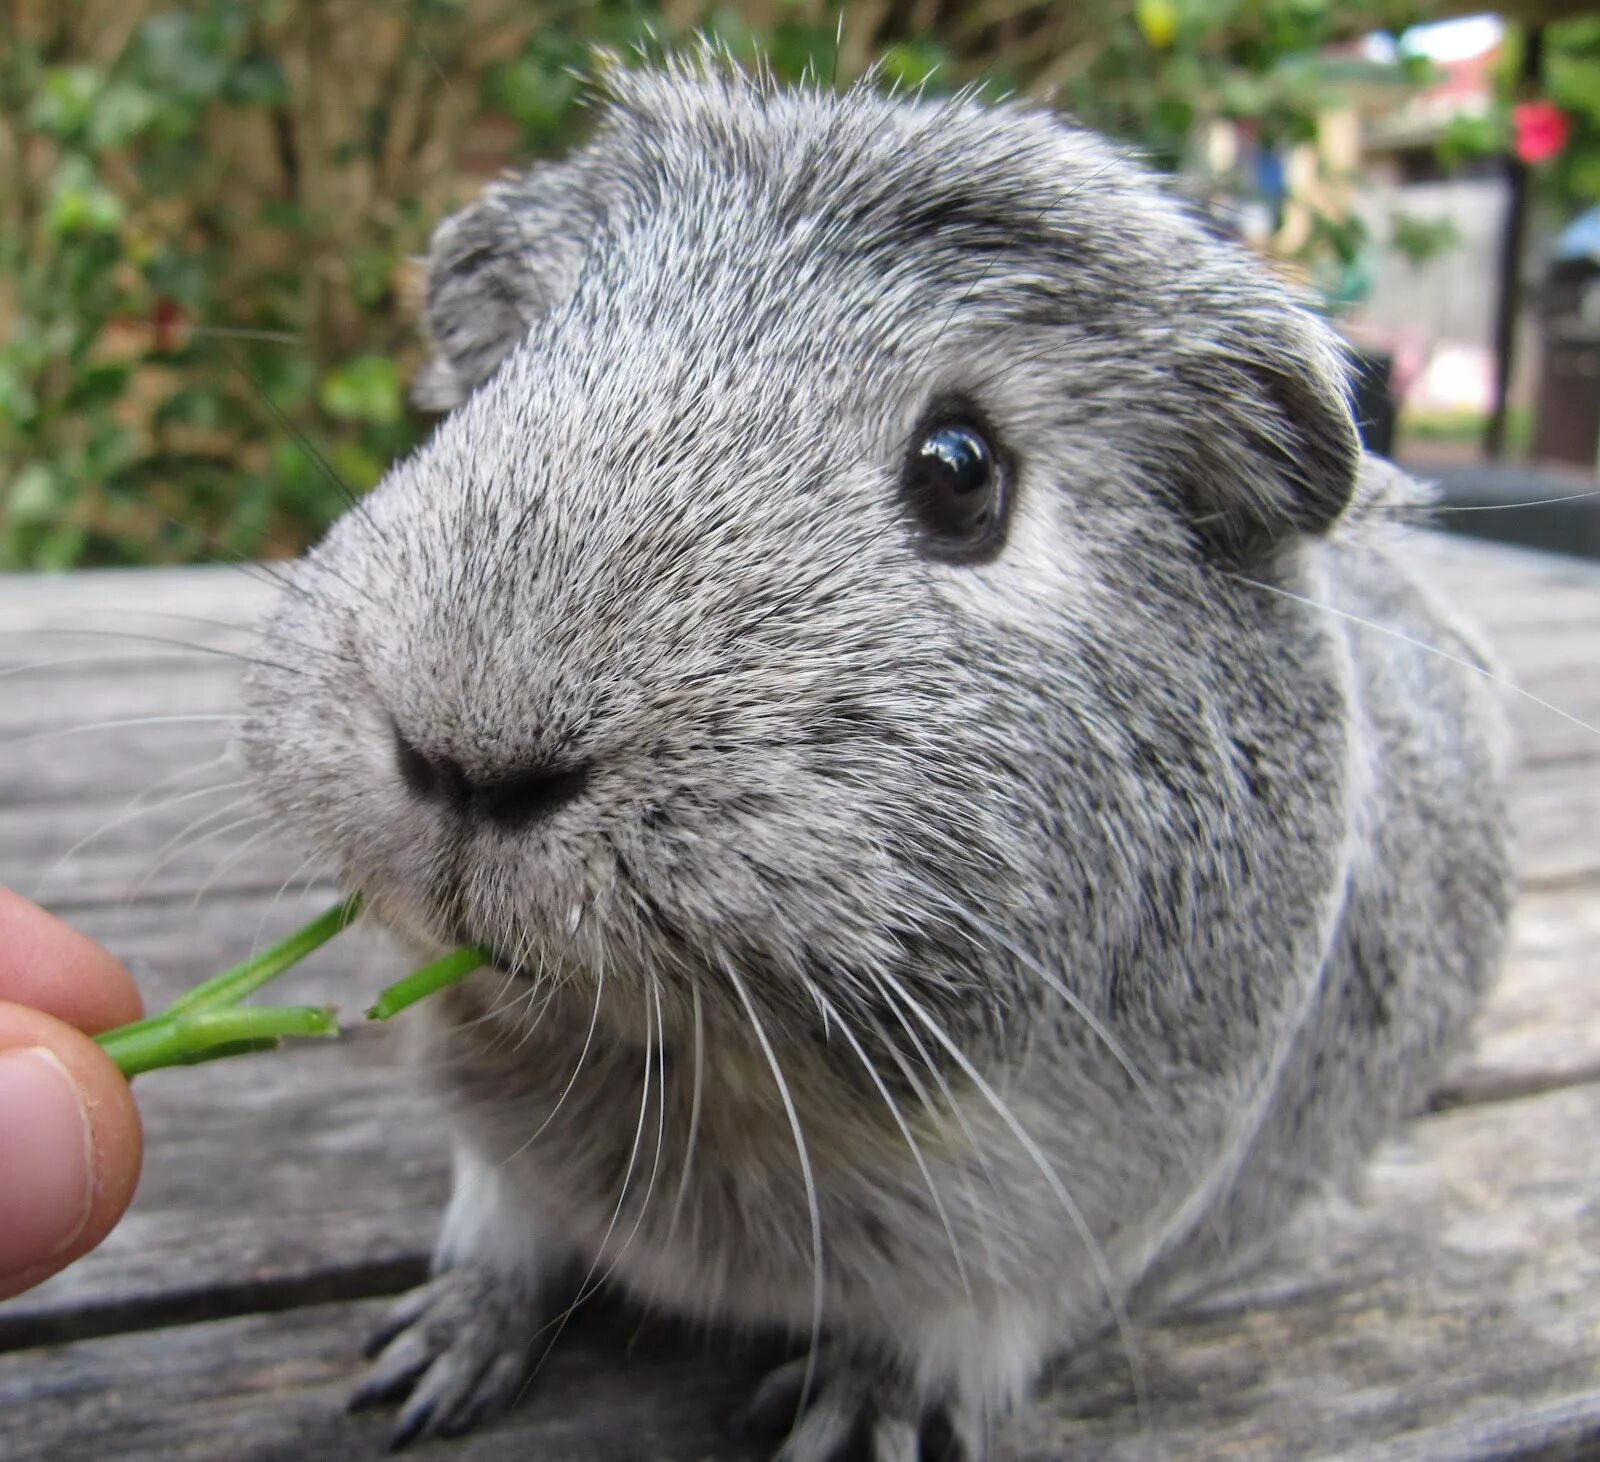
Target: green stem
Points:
(231, 986)
(196, 1035)
(454, 966)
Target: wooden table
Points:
(1455, 1312)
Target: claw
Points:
(456, 1349)
(854, 1410)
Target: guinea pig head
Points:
(756, 603)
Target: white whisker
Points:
(226, 863)
(694, 1115)
(1097, 1257)
(123, 724)
(817, 1290)
(585, 1288)
(911, 1142)
(1415, 643)
(134, 810)
(175, 846)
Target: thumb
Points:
(70, 1146)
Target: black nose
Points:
(511, 799)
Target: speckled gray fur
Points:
(1096, 902)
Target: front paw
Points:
(855, 1410)
(457, 1349)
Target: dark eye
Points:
(955, 484)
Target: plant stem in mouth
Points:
(454, 966)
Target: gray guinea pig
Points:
(896, 650)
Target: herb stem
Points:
(420, 983)
(231, 986)
(185, 1037)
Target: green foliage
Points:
(1417, 239)
(1572, 77)
(209, 221)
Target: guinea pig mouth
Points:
(505, 963)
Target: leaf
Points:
(66, 101)
(96, 388)
(17, 400)
(79, 202)
(256, 80)
(1418, 239)
(121, 114)
(364, 389)
(35, 495)
(175, 54)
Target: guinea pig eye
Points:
(954, 482)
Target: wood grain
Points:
(1454, 1313)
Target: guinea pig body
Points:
(896, 650)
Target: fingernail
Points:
(46, 1159)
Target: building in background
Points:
(1436, 316)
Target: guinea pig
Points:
(896, 651)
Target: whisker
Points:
(228, 332)
(89, 657)
(272, 903)
(559, 1322)
(654, 993)
(121, 724)
(1405, 639)
(1097, 1257)
(136, 809)
(1440, 509)
(694, 1115)
(532, 1026)
(266, 832)
(905, 1131)
(257, 630)
(175, 846)
(261, 570)
(114, 634)
(979, 1210)
(812, 1205)
(305, 444)
(572, 1080)
(1073, 1001)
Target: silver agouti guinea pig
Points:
(897, 651)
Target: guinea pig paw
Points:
(456, 1349)
(850, 1412)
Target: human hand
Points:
(70, 1140)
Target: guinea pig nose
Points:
(521, 798)
(510, 799)
(428, 776)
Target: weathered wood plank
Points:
(1540, 1028)
(1555, 814)
(180, 841)
(31, 600)
(1455, 1313)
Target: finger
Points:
(52, 967)
(70, 1146)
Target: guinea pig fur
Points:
(896, 649)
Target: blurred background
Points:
(211, 212)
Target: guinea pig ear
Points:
(1276, 453)
(491, 273)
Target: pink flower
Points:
(1542, 130)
